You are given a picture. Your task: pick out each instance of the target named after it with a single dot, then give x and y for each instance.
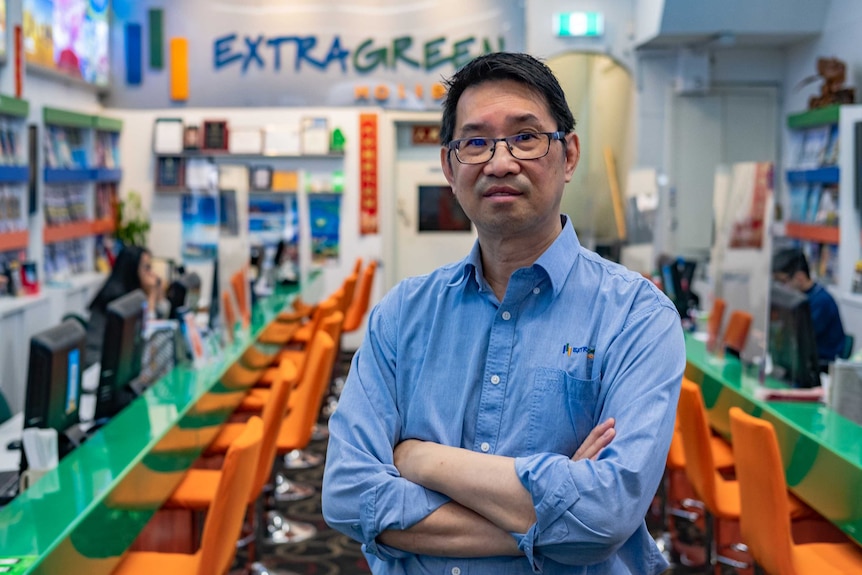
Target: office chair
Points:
(765, 519)
(223, 524)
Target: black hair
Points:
(521, 68)
(789, 261)
(124, 277)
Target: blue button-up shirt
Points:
(576, 339)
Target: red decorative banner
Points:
(17, 57)
(368, 183)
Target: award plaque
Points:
(169, 172)
(191, 138)
(261, 178)
(215, 135)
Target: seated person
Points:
(132, 270)
(790, 267)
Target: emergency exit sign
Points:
(579, 24)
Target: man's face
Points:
(506, 197)
(788, 280)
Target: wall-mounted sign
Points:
(579, 24)
(322, 53)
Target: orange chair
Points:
(719, 495)
(736, 333)
(713, 324)
(343, 297)
(223, 523)
(229, 316)
(765, 523)
(294, 433)
(238, 284)
(197, 489)
(359, 306)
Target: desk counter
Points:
(821, 450)
(81, 517)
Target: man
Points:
(790, 267)
(462, 442)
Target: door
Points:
(432, 230)
(727, 125)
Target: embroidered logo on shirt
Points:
(569, 350)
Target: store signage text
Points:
(368, 56)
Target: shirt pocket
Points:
(562, 411)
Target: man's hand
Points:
(599, 438)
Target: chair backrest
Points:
(676, 453)
(736, 333)
(716, 316)
(765, 518)
(348, 290)
(848, 346)
(229, 315)
(5, 411)
(238, 283)
(225, 517)
(699, 466)
(359, 306)
(273, 413)
(307, 397)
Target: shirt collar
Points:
(557, 261)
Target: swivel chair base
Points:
(282, 531)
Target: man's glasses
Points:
(526, 146)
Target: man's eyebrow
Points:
(478, 127)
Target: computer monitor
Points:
(791, 342)
(122, 350)
(54, 380)
(677, 277)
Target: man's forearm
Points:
(453, 531)
(487, 484)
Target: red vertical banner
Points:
(18, 59)
(368, 182)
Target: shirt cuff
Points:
(398, 504)
(549, 480)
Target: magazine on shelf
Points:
(830, 156)
(814, 148)
(814, 193)
(798, 197)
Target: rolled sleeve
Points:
(363, 493)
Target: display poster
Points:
(200, 229)
(38, 42)
(69, 36)
(325, 216)
(2, 28)
(272, 218)
(751, 188)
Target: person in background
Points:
(132, 270)
(509, 413)
(790, 267)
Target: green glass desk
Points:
(821, 450)
(80, 517)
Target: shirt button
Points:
(485, 446)
(536, 290)
(507, 316)
(495, 379)
(456, 571)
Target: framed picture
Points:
(261, 177)
(214, 135)
(169, 172)
(192, 138)
(168, 136)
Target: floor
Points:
(331, 553)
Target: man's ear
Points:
(573, 154)
(446, 164)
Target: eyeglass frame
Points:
(559, 135)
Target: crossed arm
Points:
(488, 500)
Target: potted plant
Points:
(133, 223)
